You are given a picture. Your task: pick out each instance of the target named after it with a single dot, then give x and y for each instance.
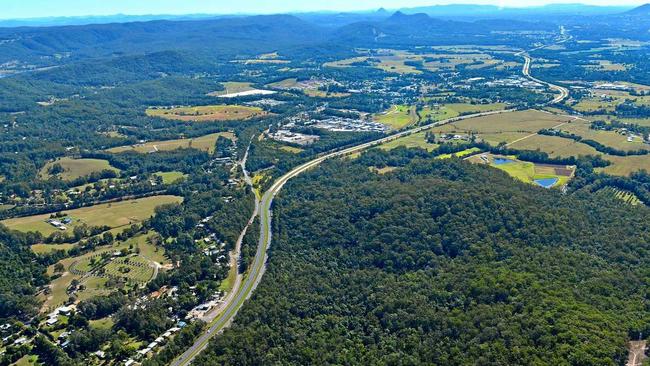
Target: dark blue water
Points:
(547, 182)
(500, 161)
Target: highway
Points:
(563, 92)
(258, 267)
(256, 271)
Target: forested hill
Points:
(20, 274)
(441, 262)
(227, 36)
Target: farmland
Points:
(450, 110)
(608, 138)
(204, 143)
(402, 62)
(545, 175)
(314, 87)
(506, 127)
(75, 168)
(231, 87)
(398, 117)
(113, 215)
(235, 89)
(414, 140)
(607, 100)
(208, 113)
(623, 195)
(555, 146)
(626, 165)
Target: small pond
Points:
(547, 182)
(500, 161)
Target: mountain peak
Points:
(640, 10)
(402, 17)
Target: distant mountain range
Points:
(473, 11)
(334, 19)
(234, 36)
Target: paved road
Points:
(259, 262)
(563, 92)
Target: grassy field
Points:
(315, 93)
(291, 149)
(555, 146)
(459, 154)
(103, 323)
(603, 99)
(27, 360)
(626, 165)
(207, 113)
(607, 138)
(310, 88)
(527, 172)
(170, 177)
(509, 125)
(114, 215)
(148, 250)
(204, 143)
(133, 268)
(606, 65)
(384, 170)
(451, 110)
(48, 248)
(398, 117)
(284, 84)
(607, 118)
(231, 87)
(414, 140)
(6, 207)
(76, 168)
(395, 61)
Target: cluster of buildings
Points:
(53, 317)
(266, 102)
(515, 81)
(201, 310)
(611, 86)
(293, 137)
(341, 124)
(151, 347)
(60, 224)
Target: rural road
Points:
(637, 353)
(256, 271)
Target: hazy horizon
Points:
(30, 9)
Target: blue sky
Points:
(43, 8)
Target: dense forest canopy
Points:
(442, 263)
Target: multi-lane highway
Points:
(563, 92)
